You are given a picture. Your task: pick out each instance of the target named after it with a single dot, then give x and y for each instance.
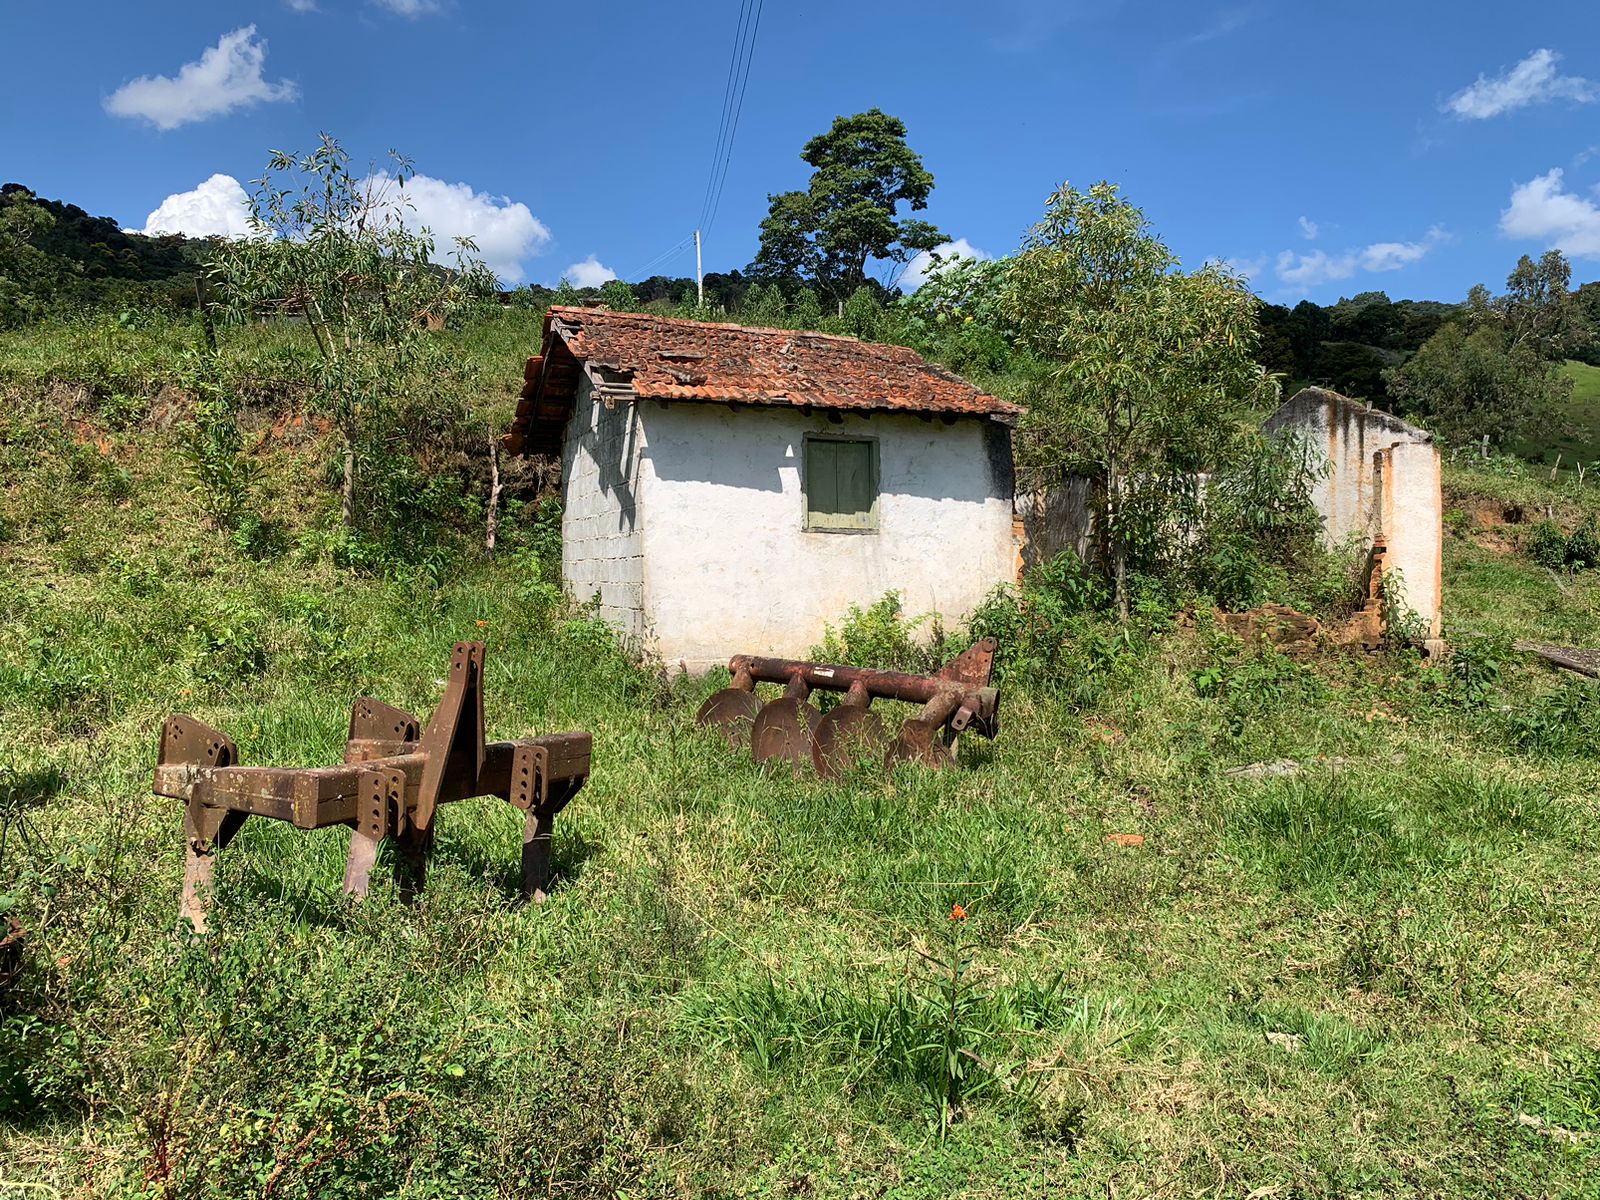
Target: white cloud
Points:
(1392, 256)
(1319, 267)
(1309, 270)
(1246, 268)
(1542, 208)
(1308, 229)
(506, 232)
(302, 6)
(591, 272)
(228, 76)
(1534, 80)
(218, 207)
(923, 263)
(409, 8)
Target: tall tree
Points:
(848, 216)
(1497, 372)
(1153, 369)
(1539, 311)
(30, 277)
(335, 250)
(1467, 384)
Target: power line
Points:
(664, 255)
(733, 128)
(734, 87)
(727, 104)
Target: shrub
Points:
(881, 636)
(1547, 545)
(1583, 547)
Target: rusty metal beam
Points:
(389, 786)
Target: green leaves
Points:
(847, 216)
(1154, 370)
(340, 255)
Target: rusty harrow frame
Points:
(390, 785)
(956, 699)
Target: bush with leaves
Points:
(1152, 369)
(342, 254)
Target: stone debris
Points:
(1542, 1127)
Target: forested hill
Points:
(87, 259)
(1347, 346)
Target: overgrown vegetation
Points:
(1097, 958)
(1375, 975)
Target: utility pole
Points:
(699, 276)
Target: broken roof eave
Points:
(782, 400)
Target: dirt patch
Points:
(1491, 514)
(291, 429)
(1495, 542)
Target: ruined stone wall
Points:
(1056, 519)
(1383, 481)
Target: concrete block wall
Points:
(602, 551)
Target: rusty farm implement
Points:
(957, 699)
(390, 785)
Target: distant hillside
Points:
(99, 262)
(1573, 433)
(1348, 345)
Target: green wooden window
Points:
(841, 484)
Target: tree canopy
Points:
(848, 216)
(1152, 369)
(1493, 373)
(336, 251)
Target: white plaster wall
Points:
(730, 568)
(1410, 498)
(601, 538)
(1383, 480)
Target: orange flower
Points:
(481, 624)
(957, 913)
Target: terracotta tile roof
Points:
(662, 358)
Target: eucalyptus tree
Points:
(339, 252)
(1150, 370)
(1493, 375)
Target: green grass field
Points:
(1379, 977)
(1574, 432)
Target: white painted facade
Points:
(1383, 480)
(688, 520)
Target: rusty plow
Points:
(394, 777)
(789, 728)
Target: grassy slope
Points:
(726, 994)
(1575, 431)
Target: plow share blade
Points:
(955, 700)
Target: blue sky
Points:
(1326, 149)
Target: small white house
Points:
(732, 490)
